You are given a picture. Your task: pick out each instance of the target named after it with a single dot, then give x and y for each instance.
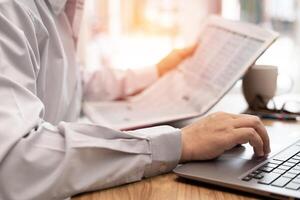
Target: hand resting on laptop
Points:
(213, 135)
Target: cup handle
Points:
(291, 85)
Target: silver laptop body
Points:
(277, 176)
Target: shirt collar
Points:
(57, 5)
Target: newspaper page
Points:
(226, 50)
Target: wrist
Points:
(185, 155)
(159, 69)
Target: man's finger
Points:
(245, 135)
(249, 121)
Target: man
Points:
(45, 154)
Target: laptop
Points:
(277, 176)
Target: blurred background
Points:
(138, 33)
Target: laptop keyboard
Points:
(282, 171)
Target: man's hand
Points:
(174, 59)
(213, 135)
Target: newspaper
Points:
(226, 50)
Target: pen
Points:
(279, 117)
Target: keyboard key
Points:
(258, 176)
(266, 169)
(293, 171)
(296, 157)
(280, 159)
(289, 175)
(272, 165)
(269, 178)
(289, 164)
(277, 161)
(281, 181)
(279, 171)
(297, 167)
(283, 167)
(292, 160)
(247, 178)
(297, 180)
(293, 186)
(256, 172)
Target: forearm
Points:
(109, 84)
(58, 162)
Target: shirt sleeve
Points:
(110, 84)
(39, 160)
(56, 162)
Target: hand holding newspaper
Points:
(226, 50)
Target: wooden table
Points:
(166, 187)
(170, 187)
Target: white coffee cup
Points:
(260, 81)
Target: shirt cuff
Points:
(165, 146)
(148, 74)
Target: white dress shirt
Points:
(44, 152)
